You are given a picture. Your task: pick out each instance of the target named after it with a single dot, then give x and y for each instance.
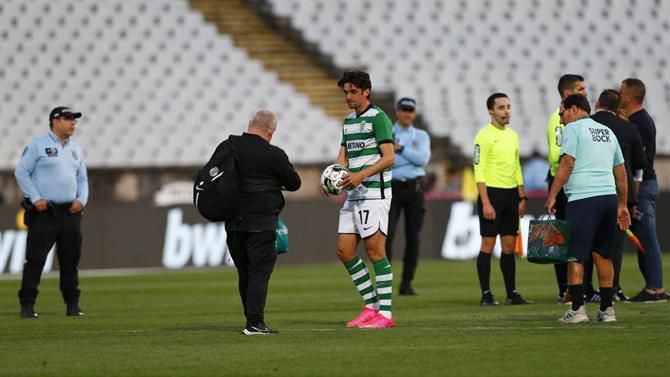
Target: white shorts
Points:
(364, 217)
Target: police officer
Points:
(412, 151)
(52, 176)
(502, 199)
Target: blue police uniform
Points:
(407, 193)
(53, 172)
(56, 172)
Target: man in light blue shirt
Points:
(52, 176)
(412, 153)
(590, 153)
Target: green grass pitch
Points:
(189, 323)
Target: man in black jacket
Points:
(650, 262)
(630, 142)
(264, 171)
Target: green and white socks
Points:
(384, 283)
(379, 298)
(361, 277)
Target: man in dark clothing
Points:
(264, 171)
(633, 154)
(644, 219)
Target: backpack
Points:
(216, 190)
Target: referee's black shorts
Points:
(506, 204)
(593, 223)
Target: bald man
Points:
(265, 171)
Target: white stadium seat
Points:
(518, 46)
(158, 85)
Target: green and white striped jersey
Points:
(361, 136)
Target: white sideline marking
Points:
(106, 272)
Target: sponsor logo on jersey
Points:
(356, 145)
(476, 156)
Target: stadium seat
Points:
(520, 47)
(157, 84)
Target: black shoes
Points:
(27, 311)
(619, 296)
(407, 290)
(648, 298)
(518, 300)
(488, 300)
(259, 329)
(73, 311)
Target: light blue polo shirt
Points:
(411, 162)
(53, 172)
(596, 151)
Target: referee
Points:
(52, 176)
(412, 151)
(501, 196)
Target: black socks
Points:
(605, 298)
(508, 268)
(484, 271)
(577, 293)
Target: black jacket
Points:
(645, 124)
(264, 171)
(630, 142)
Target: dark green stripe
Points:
(372, 300)
(356, 268)
(362, 279)
(367, 290)
(359, 136)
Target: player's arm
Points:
(563, 173)
(623, 217)
(566, 164)
(554, 135)
(621, 180)
(387, 159)
(342, 157)
(519, 182)
(480, 161)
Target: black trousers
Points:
(56, 225)
(408, 196)
(254, 254)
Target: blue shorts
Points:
(593, 223)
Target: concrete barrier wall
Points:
(119, 235)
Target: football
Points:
(332, 177)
